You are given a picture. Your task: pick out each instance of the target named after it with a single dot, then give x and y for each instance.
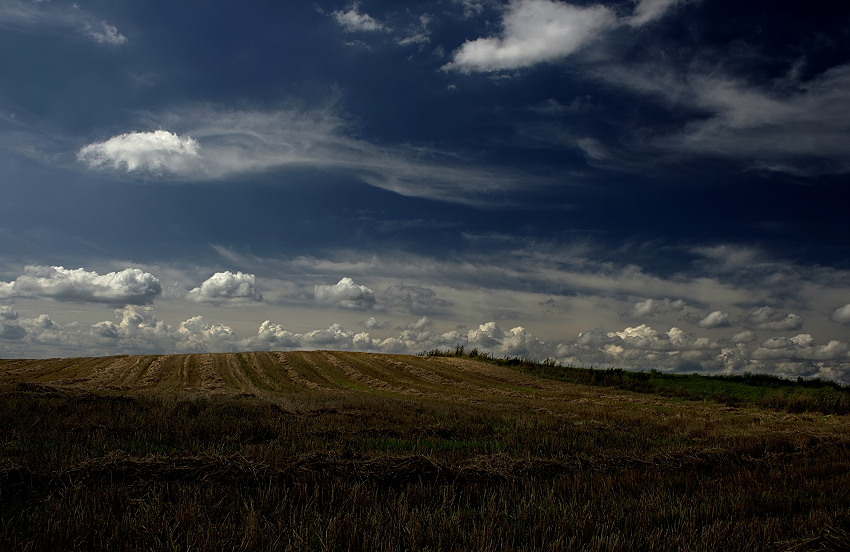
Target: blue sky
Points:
(640, 184)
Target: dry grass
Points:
(350, 451)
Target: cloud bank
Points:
(724, 318)
(642, 347)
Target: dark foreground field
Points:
(353, 451)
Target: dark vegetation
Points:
(541, 465)
(769, 391)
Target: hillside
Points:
(266, 374)
(273, 375)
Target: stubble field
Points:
(355, 451)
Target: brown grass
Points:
(352, 451)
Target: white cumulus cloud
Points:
(274, 336)
(139, 331)
(420, 324)
(347, 294)
(534, 31)
(157, 152)
(7, 290)
(352, 20)
(656, 306)
(801, 347)
(842, 314)
(745, 336)
(198, 335)
(766, 318)
(415, 299)
(226, 287)
(128, 286)
(716, 319)
(487, 335)
(520, 342)
(9, 326)
(372, 323)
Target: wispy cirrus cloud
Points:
(209, 143)
(542, 31)
(802, 130)
(104, 33)
(650, 10)
(534, 31)
(787, 125)
(791, 124)
(31, 16)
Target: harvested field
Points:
(352, 451)
(270, 374)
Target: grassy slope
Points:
(354, 451)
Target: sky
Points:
(638, 184)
